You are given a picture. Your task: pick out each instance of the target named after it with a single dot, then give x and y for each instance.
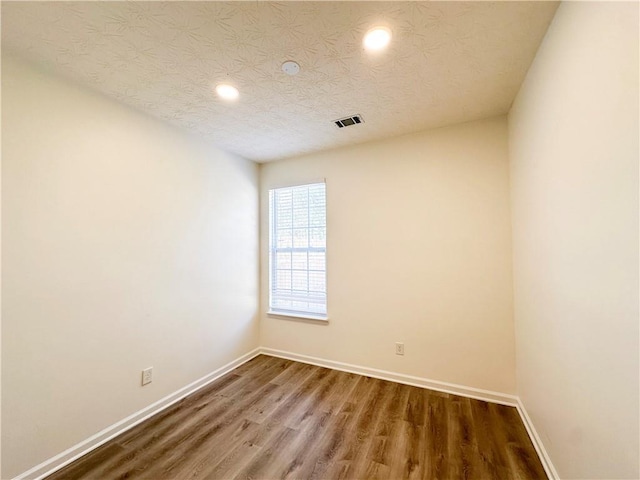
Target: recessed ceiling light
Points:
(227, 92)
(377, 38)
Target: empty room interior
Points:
(320, 240)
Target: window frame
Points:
(300, 314)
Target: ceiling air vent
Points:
(348, 121)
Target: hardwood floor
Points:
(275, 418)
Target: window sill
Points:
(301, 316)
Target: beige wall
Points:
(126, 244)
(419, 251)
(574, 163)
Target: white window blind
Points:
(297, 247)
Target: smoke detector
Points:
(290, 67)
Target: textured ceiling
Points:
(448, 62)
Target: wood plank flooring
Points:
(273, 418)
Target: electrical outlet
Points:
(147, 375)
(399, 348)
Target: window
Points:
(297, 251)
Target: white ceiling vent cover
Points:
(348, 121)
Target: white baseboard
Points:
(537, 443)
(471, 392)
(61, 460)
